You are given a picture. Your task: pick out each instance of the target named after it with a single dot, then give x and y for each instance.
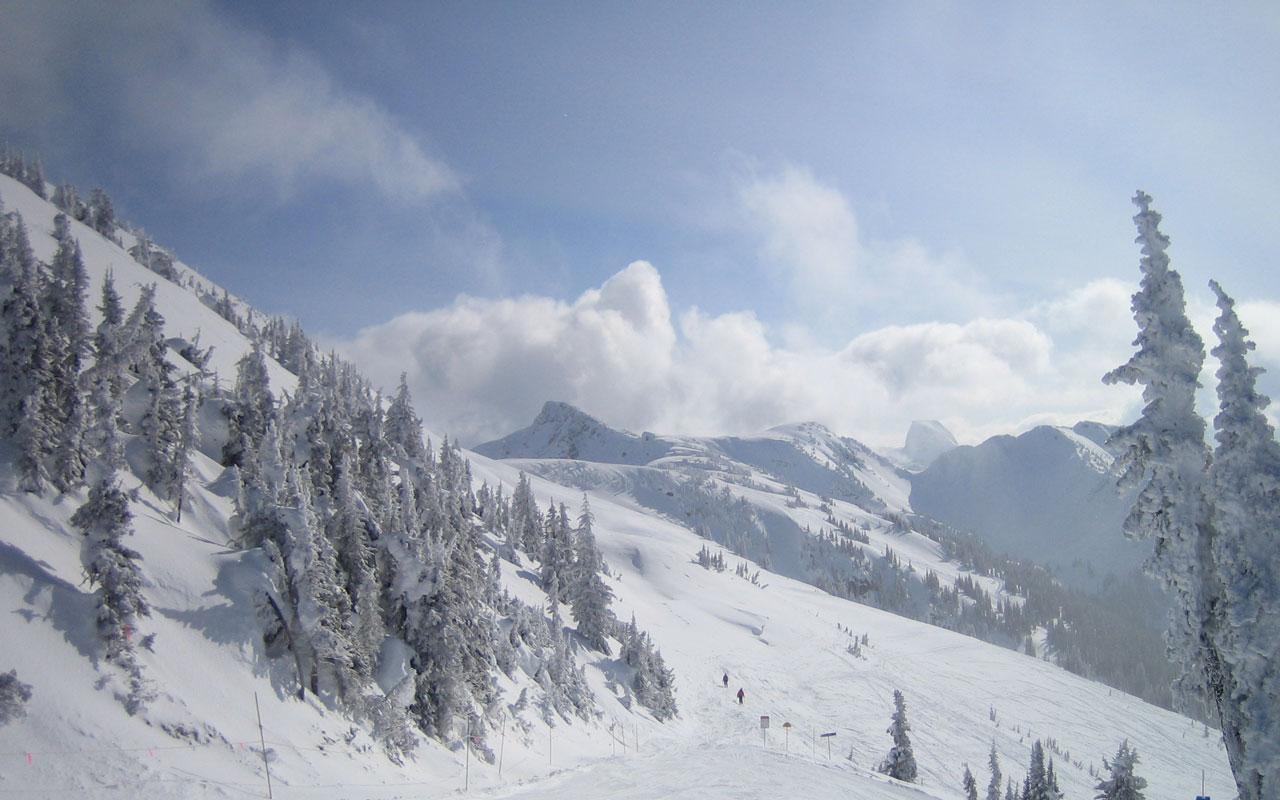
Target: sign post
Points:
(764, 729)
(786, 737)
(829, 737)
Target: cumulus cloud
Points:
(228, 103)
(481, 368)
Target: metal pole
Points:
(548, 744)
(502, 746)
(466, 780)
(262, 740)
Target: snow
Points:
(782, 641)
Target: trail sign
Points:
(825, 735)
(828, 737)
(764, 723)
(786, 724)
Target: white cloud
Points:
(226, 102)
(482, 368)
(809, 232)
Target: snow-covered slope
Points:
(1048, 495)
(786, 643)
(806, 456)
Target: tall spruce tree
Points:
(106, 378)
(993, 763)
(589, 595)
(112, 569)
(969, 785)
(1165, 453)
(900, 762)
(1245, 479)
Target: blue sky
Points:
(906, 209)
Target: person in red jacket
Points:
(741, 694)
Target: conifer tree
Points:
(112, 569)
(589, 595)
(26, 360)
(403, 426)
(107, 377)
(68, 336)
(969, 785)
(1245, 480)
(900, 763)
(251, 408)
(993, 763)
(1164, 451)
(1122, 784)
(557, 553)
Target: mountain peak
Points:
(926, 440)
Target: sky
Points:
(693, 218)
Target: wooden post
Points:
(262, 741)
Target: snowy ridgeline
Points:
(291, 535)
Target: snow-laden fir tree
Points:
(526, 521)
(106, 378)
(1165, 453)
(1122, 784)
(653, 683)
(557, 553)
(402, 424)
(14, 695)
(1245, 479)
(160, 425)
(993, 763)
(68, 332)
(26, 362)
(969, 785)
(322, 607)
(589, 595)
(112, 569)
(900, 762)
(348, 529)
(251, 407)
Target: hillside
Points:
(1048, 495)
(788, 644)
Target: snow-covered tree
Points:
(526, 522)
(900, 762)
(251, 408)
(1245, 479)
(589, 595)
(402, 425)
(103, 213)
(557, 553)
(1165, 453)
(969, 785)
(106, 378)
(993, 763)
(26, 361)
(1122, 784)
(14, 695)
(68, 334)
(112, 569)
(653, 682)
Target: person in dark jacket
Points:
(741, 694)
(726, 680)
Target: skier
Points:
(741, 694)
(726, 680)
